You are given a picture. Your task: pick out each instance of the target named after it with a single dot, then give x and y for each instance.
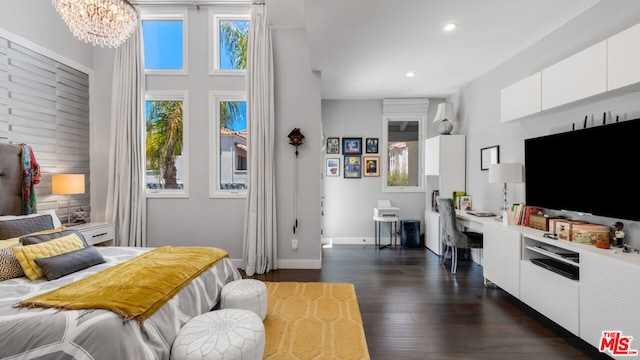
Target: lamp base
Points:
(445, 127)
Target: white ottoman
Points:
(247, 294)
(228, 334)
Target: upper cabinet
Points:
(577, 77)
(522, 98)
(623, 58)
(608, 65)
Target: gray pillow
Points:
(16, 227)
(64, 264)
(40, 238)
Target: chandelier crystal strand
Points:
(98, 22)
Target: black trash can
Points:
(410, 233)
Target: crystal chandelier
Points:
(99, 22)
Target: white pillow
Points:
(52, 213)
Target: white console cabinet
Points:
(522, 98)
(445, 171)
(501, 257)
(623, 58)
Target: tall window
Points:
(165, 38)
(229, 144)
(166, 145)
(229, 30)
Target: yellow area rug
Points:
(307, 320)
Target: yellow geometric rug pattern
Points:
(313, 320)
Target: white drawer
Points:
(99, 234)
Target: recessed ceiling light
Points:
(450, 27)
(410, 74)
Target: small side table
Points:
(97, 233)
(392, 224)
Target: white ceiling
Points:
(363, 48)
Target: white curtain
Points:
(126, 203)
(260, 240)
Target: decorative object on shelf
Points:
(333, 145)
(434, 200)
(464, 203)
(99, 22)
(372, 145)
(488, 156)
(618, 234)
(67, 184)
(505, 173)
(371, 165)
(352, 167)
(446, 117)
(333, 167)
(80, 216)
(351, 146)
(295, 139)
(455, 196)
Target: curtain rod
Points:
(192, 3)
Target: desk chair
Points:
(451, 236)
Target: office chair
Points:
(451, 236)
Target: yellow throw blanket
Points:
(136, 288)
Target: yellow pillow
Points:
(10, 242)
(27, 254)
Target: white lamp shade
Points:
(505, 173)
(445, 112)
(67, 184)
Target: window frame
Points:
(215, 98)
(169, 14)
(384, 154)
(217, 14)
(170, 95)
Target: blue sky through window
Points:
(162, 44)
(226, 58)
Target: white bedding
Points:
(101, 334)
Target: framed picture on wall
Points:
(351, 145)
(333, 145)
(371, 165)
(352, 167)
(333, 167)
(489, 155)
(372, 145)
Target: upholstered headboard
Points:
(10, 179)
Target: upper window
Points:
(229, 29)
(166, 145)
(229, 144)
(165, 39)
(402, 147)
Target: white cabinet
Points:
(445, 158)
(609, 294)
(501, 265)
(623, 57)
(522, 98)
(577, 77)
(95, 233)
(432, 231)
(445, 171)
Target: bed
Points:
(44, 333)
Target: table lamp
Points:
(67, 184)
(505, 173)
(445, 116)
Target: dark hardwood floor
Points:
(413, 308)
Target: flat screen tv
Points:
(589, 170)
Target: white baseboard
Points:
(352, 241)
(287, 263)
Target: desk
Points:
(473, 222)
(392, 223)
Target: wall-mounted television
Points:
(589, 170)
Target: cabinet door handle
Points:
(98, 235)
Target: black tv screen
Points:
(588, 170)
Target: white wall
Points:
(349, 203)
(478, 104)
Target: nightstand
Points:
(97, 233)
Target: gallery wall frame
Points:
(351, 146)
(489, 155)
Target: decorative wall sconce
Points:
(295, 139)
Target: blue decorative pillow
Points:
(64, 264)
